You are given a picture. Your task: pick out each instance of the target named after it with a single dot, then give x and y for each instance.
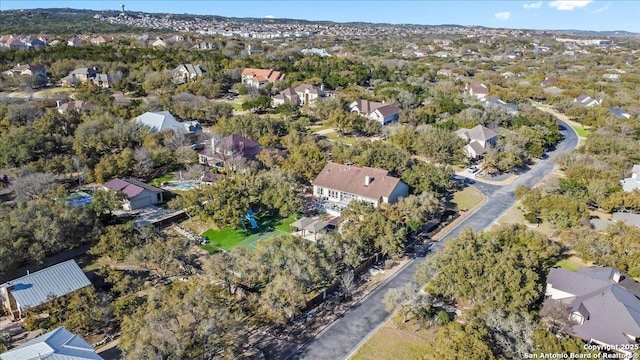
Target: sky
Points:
(555, 15)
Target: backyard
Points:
(228, 238)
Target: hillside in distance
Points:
(67, 21)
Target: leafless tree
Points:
(347, 283)
(32, 186)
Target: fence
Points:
(177, 217)
(331, 289)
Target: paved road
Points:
(344, 336)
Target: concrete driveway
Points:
(345, 335)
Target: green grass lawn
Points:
(580, 130)
(466, 199)
(160, 179)
(228, 238)
(283, 225)
(572, 263)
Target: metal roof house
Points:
(163, 120)
(602, 304)
(37, 288)
(58, 344)
(632, 183)
(159, 121)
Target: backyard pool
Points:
(79, 198)
(180, 185)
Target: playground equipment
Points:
(250, 217)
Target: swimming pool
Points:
(78, 198)
(180, 185)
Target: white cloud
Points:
(503, 15)
(569, 5)
(535, 5)
(601, 9)
(269, 17)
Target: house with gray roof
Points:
(586, 100)
(300, 95)
(39, 287)
(479, 139)
(497, 103)
(138, 195)
(159, 121)
(83, 75)
(602, 304)
(185, 73)
(376, 111)
(619, 113)
(163, 120)
(58, 344)
(632, 183)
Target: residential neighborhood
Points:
(197, 186)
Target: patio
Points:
(309, 228)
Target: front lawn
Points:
(397, 342)
(466, 199)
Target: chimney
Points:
(213, 144)
(367, 180)
(58, 103)
(321, 87)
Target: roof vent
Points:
(617, 277)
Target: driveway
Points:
(345, 335)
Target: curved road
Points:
(346, 334)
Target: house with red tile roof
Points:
(339, 184)
(137, 194)
(376, 111)
(259, 77)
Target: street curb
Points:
(329, 326)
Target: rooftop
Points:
(36, 288)
(58, 344)
(353, 179)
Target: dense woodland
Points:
(496, 280)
